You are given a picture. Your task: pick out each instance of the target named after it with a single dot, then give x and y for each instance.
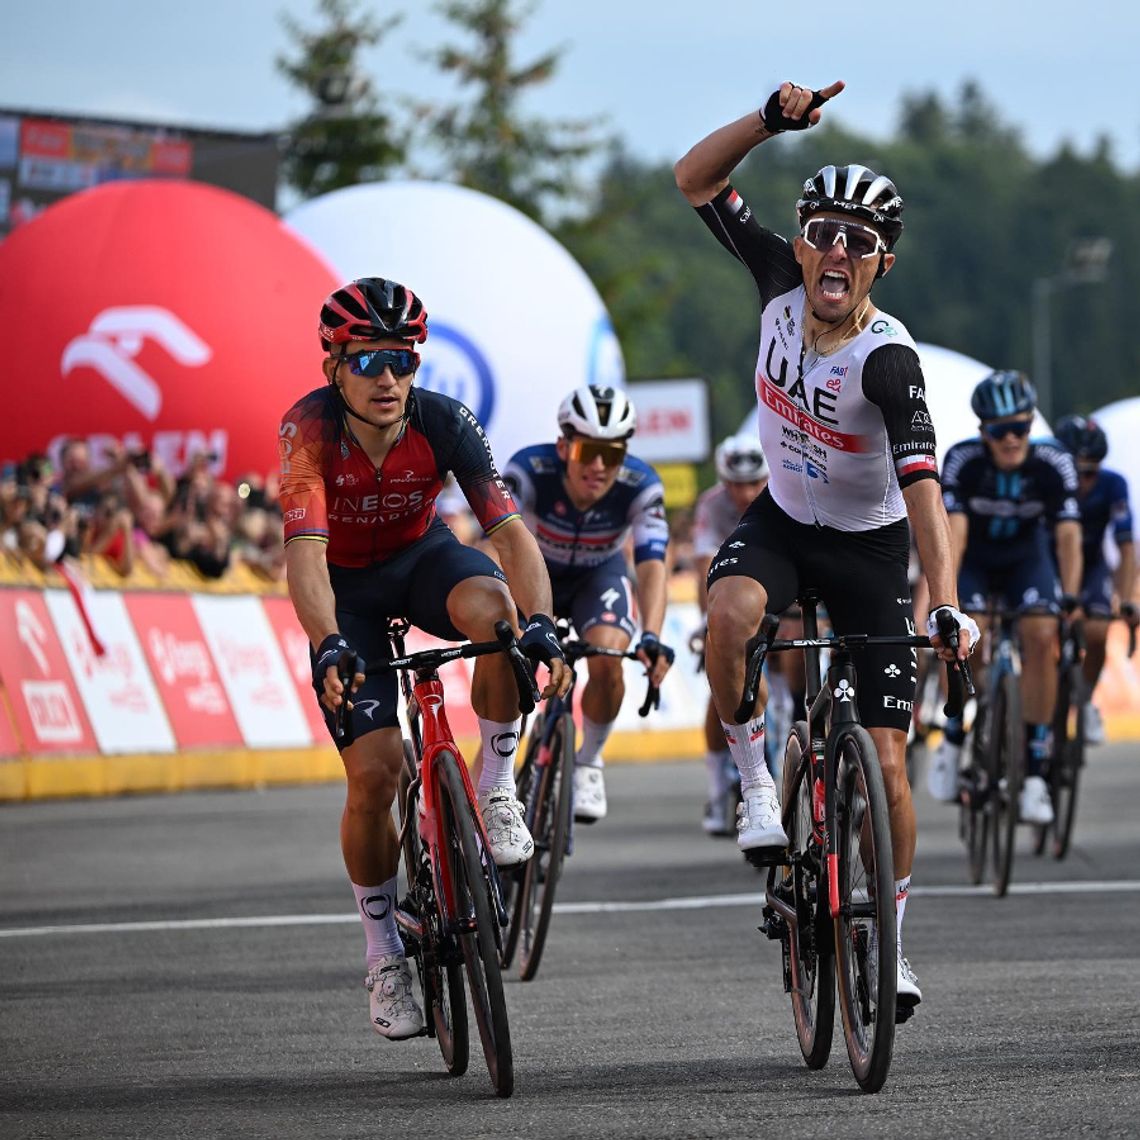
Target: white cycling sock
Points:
(717, 777)
(593, 737)
(377, 909)
(500, 743)
(746, 743)
(902, 889)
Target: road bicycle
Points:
(830, 898)
(545, 787)
(452, 917)
(1068, 759)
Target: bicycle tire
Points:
(512, 877)
(440, 981)
(867, 981)
(1007, 760)
(554, 805)
(475, 921)
(808, 950)
(975, 815)
(1069, 758)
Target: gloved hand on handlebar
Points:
(326, 680)
(656, 658)
(540, 646)
(964, 623)
(1130, 613)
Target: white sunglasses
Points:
(859, 241)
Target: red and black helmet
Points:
(372, 308)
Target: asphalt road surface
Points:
(207, 983)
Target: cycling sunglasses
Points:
(859, 241)
(1019, 428)
(584, 450)
(373, 361)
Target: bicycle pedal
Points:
(764, 857)
(903, 1013)
(773, 927)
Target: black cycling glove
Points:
(1068, 603)
(775, 120)
(651, 646)
(539, 642)
(333, 651)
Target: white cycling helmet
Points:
(597, 412)
(740, 459)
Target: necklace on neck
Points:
(855, 329)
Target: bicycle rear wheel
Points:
(865, 931)
(439, 966)
(1007, 764)
(1068, 757)
(809, 964)
(554, 804)
(975, 816)
(474, 915)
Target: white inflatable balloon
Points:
(950, 378)
(1121, 423)
(514, 321)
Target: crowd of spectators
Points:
(130, 508)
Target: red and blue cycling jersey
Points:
(332, 492)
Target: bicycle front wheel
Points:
(474, 921)
(809, 964)
(554, 804)
(865, 930)
(512, 877)
(974, 813)
(1007, 763)
(1068, 757)
(440, 970)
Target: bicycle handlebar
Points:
(576, 650)
(505, 642)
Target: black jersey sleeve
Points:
(768, 256)
(1059, 484)
(893, 382)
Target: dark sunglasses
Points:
(584, 450)
(1019, 428)
(859, 241)
(402, 361)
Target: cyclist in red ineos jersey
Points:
(850, 446)
(362, 461)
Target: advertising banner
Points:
(295, 649)
(9, 741)
(249, 661)
(672, 420)
(45, 703)
(118, 691)
(183, 670)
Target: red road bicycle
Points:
(451, 918)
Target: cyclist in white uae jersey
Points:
(844, 424)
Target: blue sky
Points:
(663, 74)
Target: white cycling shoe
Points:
(507, 834)
(907, 993)
(1093, 724)
(758, 825)
(942, 771)
(391, 1004)
(589, 794)
(1034, 804)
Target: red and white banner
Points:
(252, 668)
(47, 708)
(117, 688)
(183, 670)
(295, 648)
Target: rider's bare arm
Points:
(933, 537)
(521, 560)
(1067, 537)
(651, 593)
(307, 574)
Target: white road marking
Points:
(700, 902)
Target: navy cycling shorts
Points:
(1096, 589)
(1025, 583)
(600, 595)
(412, 584)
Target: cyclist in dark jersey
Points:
(844, 424)
(362, 461)
(1004, 493)
(1103, 498)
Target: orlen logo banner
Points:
(253, 672)
(514, 324)
(49, 713)
(183, 670)
(117, 688)
(168, 315)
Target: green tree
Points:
(348, 136)
(488, 143)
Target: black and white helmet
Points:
(597, 412)
(740, 459)
(854, 190)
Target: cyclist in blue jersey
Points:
(1003, 493)
(583, 496)
(1103, 498)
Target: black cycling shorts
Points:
(860, 576)
(412, 584)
